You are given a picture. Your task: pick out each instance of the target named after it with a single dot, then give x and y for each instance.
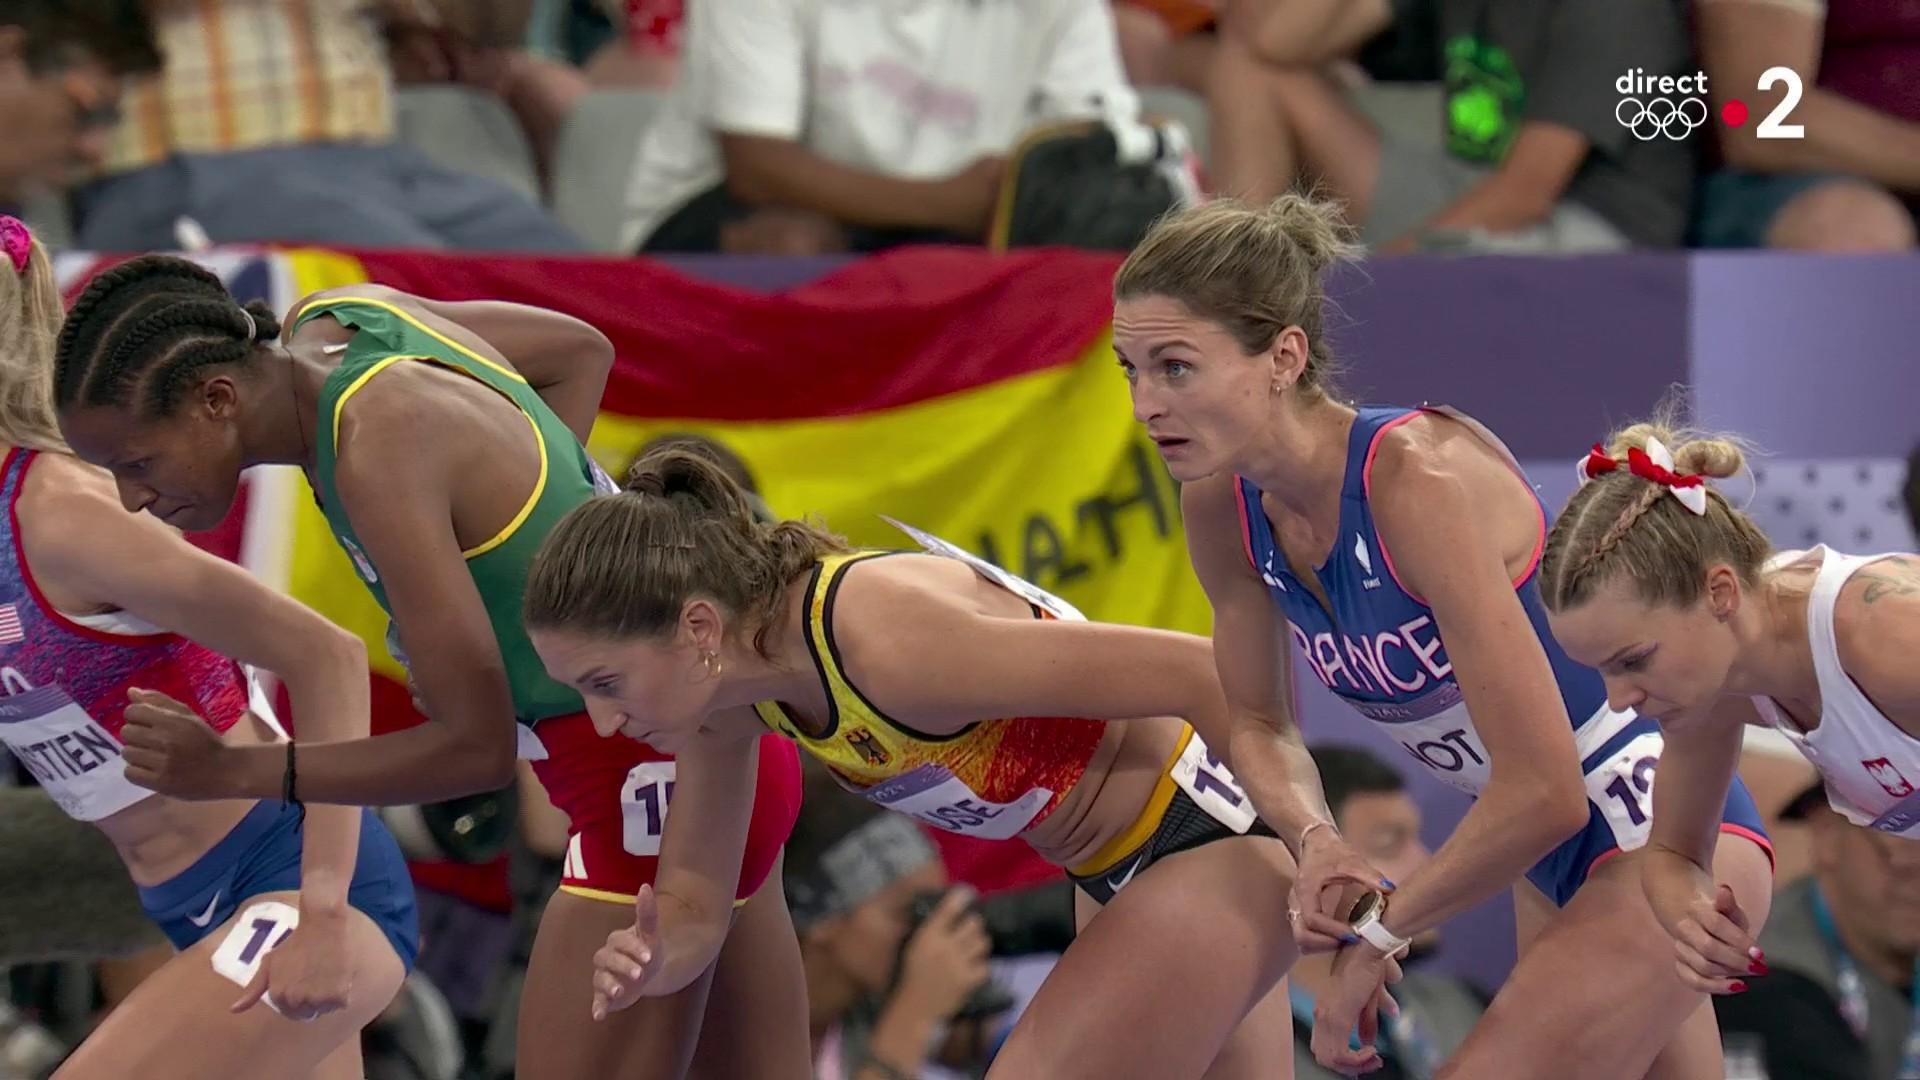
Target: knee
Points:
(1843, 215)
(783, 232)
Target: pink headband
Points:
(17, 241)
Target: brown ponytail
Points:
(623, 566)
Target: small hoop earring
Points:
(713, 664)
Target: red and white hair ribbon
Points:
(1654, 464)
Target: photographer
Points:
(896, 961)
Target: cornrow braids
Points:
(1572, 574)
(144, 329)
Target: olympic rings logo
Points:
(1661, 116)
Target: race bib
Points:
(1622, 787)
(527, 745)
(74, 759)
(257, 931)
(643, 806)
(1020, 587)
(934, 795)
(1436, 730)
(1210, 784)
(603, 481)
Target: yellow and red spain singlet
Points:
(993, 779)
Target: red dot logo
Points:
(1734, 113)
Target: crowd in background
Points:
(809, 127)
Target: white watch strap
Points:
(1375, 933)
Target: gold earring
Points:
(713, 664)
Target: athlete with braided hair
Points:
(442, 440)
(294, 928)
(1399, 549)
(1675, 596)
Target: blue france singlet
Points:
(1379, 649)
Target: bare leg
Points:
(756, 1022)
(1276, 127)
(1161, 981)
(1595, 996)
(177, 1025)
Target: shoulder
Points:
(1876, 622)
(344, 293)
(1212, 512)
(1432, 455)
(65, 499)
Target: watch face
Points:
(1365, 908)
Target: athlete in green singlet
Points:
(440, 464)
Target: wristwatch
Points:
(1365, 921)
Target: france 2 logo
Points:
(1674, 107)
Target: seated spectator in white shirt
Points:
(807, 126)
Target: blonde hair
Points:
(30, 314)
(1619, 523)
(1253, 270)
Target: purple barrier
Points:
(1809, 356)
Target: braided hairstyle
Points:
(1619, 523)
(144, 331)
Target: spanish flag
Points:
(972, 395)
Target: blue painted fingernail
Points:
(1385, 884)
(1349, 939)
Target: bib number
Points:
(72, 758)
(1622, 787)
(1210, 784)
(643, 805)
(1026, 590)
(932, 795)
(257, 931)
(1446, 746)
(603, 482)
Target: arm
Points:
(1739, 41)
(1254, 662)
(1697, 767)
(1876, 626)
(80, 537)
(767, 171)
(755, 99)
(396, 490)
(1522, 191)
(1709, 929)
(564, 359)
(701, 849)
(1437, 522)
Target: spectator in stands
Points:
(799, 127)
(273, 120)
(1840, 946)
(61, 62)
(1852, 182)
(884, 976)
(1372, 809)
(1528, 153)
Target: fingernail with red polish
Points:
(1738, 987)
(1757, 954)
(1757, 968)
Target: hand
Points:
(171, 750)
(1713, 949)
(309, 974)
(969, 197)
(629, 960)
(1329, 868)
(945, 960)
(1352, 1003)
